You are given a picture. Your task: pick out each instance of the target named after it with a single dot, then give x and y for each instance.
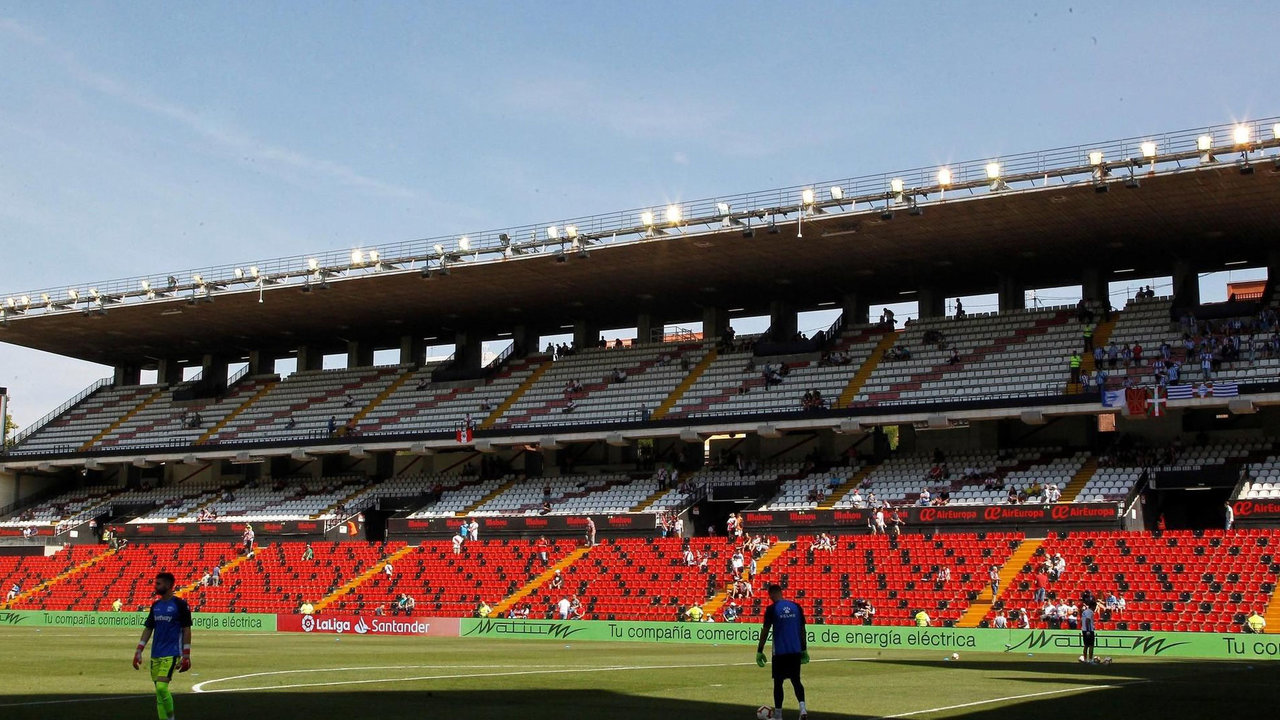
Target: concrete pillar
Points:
(783, 322)
(645, 328)
(127, 375)
(359, 354)
(261, 363)
(213, 371)
(1186, 284)
(715, 321)
(1094, 285)
(412, 350)
(466, 351)
(931, 303)
(1012, 293)
(168, 371)
(310, 357)
(526, 338)
(585, 334)
(855, 309)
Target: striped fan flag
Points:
(1203, 390)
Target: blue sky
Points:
(155, 136)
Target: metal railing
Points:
(501, 357)
(1094, 162)
(52, 415)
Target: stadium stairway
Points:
(1009, 572)
(1272, 613)
(515, 395)
(1080, 480)
(489, 496)
(530, 587)
(645, 504)
(1101, 336)
(358, 580)
(218, 426)
(868, 366)
(712, 606)
(59, 578)
(694, 373)
(844, 488)
(223, 569)
(122, 420)
(382, 396)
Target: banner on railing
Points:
(368, 625)
(1109, 643)
(201, 621)
(178, 531)
(1061, 513)
(521, 524)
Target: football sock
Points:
(802, 710)
(164, 701)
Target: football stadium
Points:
(573, 466)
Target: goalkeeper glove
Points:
(804, 657)
(760, 659)
(137, 656)
(185, 665)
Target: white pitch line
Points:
(79, 700)
(1062, 691)
(200, 688)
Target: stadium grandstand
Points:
(974, 467)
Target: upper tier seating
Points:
(165, 422)
(418, 406)
(716, 392)
(85, 420)
(652, 372)
(1176, 580)
(1148, 323)
(1016, 353)
(308, 400)
(459, 492)
(284, 499)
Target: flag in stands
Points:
(1202, 390)
(1158, 401)
(465, 434)
(1135, 398)
(1112, 398)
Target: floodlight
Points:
(993, 171)
(357, 257)
(1204, 143)
(505, 239)
(44, 298)
(146, 285)
(1241, 134)
(646, 218)
(313, 264)
(837, 192)
(571, 231)
(253, 270)
(464, 242)
(439, 249)
(553, 233)
(722, 208)
(25, 301)
(896, 186)
(73, 294)
(944, 177)
(806, 196)
(1095, 158)
(1275, 131)
(94, 293)
(239, 273)
(197, 279)
(12, 303)
(674, 214)
(375, 257)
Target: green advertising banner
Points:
(1114, 643)
(234, 622)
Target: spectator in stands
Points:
(473, 530)
(1000, 622)
(14, 591)
(923, 500)
(117, 605)
(955, 357)
(591, 532)
(994, 576)
(204, 580)
(619, 375)
(308, 553)
(483, 610)
(895, 519)
(879, 522)
(943, 575)
(380, 610)
(247, 540)
(1230, 515)
(1057, 567)
(410, 604)
(922, 619)
(562, 608)
(542, 547)
(1112, 604)
(959, 309)
(1074, 364)
(1042, 586)
(215, 577)
(1068, 615)
(306, 608)
(732, 612)
(457, 543)
(332, 424)
(864, 611)
(388, 570)
(570, 406)
(1255, 623)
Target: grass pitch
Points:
(55, 673)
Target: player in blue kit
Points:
(169, 624)
(790, 648)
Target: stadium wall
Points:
(202, 622)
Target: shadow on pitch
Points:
(1162, 695)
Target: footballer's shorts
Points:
(786, 667)
(163, 668)
(1086, 636)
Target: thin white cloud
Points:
(229, 138)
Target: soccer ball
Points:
(955, 656)
(764, 712)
